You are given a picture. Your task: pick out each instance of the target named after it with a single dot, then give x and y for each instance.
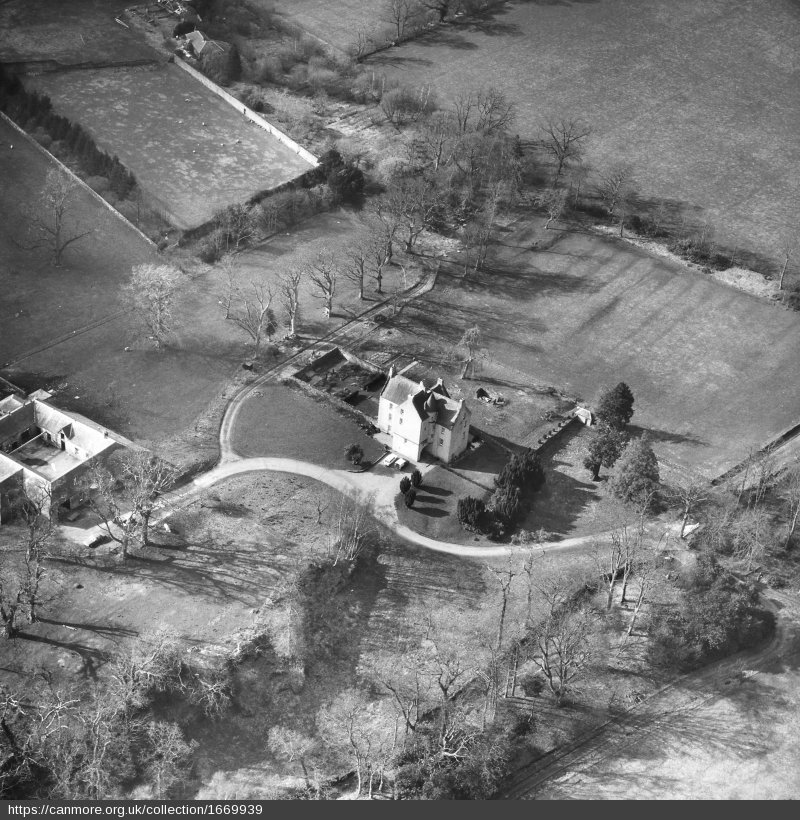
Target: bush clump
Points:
(715, 617)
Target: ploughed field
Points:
(714, 371)
(700, 99)
(189, 149)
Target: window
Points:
(441, 441)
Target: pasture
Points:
(334, 23)
(700, 99)
(714, 371)
(48, 335)
(188, 148)
(47, 316)
(77, 32)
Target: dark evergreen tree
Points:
(604, 449)
(637, 475)
(615, 408)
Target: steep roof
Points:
(428, 396)
(398, 389)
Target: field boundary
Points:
(248, 113)
(76, 178)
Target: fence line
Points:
(248, 112)
(76, 178)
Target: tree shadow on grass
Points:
(90, 656)
(201, 568)
(439, 491)
(666, 437)
(430, 512)
(104, 631)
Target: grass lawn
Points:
(185, 145)
(714, 371)
(286, 422)
(701, 99)
(69, 32)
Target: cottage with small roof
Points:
(422, 417)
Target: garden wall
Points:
(248, 112)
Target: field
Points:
(714, 370)
(47, 316)
(68, 32)
(701, 99)
(187, 147)
(335, 23)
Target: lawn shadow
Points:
(438, 491)
(563, 499)
(91, 657)
(200, 568)
(430, 512)
(666, 437)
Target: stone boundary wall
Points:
(76, 178)
(552, 435)
(249, 113)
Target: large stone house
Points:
(421, 416)
(44, 450)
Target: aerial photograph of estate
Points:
(399, 400)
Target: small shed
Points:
(585, 415)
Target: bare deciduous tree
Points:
(51, 225)
(293, 746)
(553, 201)
(124, 506)
(442, 7)
(471, 341)
(253, 313)
(614, 185)
(289, 294)
(356, 260)
(22, 571)
(788, 249)
(236, 225)
(563, 139)
(352, 530)
(563, 649)
(169, 756)
(321, 271)
(401, 14)
(688, 492)
(152, 291)
(790, 491)
(361, 729)
(437, 138)
(413, 201)
(405, 672)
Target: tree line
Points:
(32, 111)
